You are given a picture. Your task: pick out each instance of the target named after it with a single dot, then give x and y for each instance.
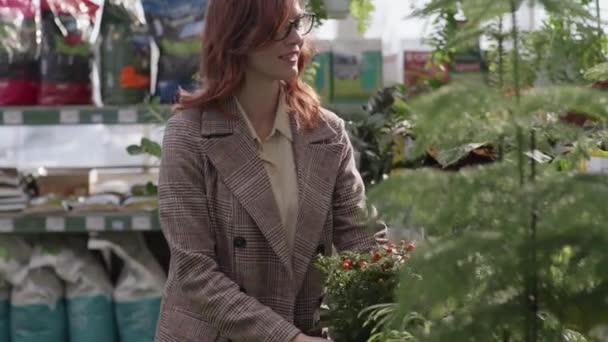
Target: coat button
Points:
(321, 249)
(240, 242)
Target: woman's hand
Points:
(305, 338)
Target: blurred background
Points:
(86, 85)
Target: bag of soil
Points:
(5, 331)
(19, 25)
(139, 286)
(37, 308)
(69, 28)
(177, 27)
(124, 56)
(88, 291)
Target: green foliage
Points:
(146, 146)
(565, 47)
(373, 135)
(597, 73)
(361, 10)
(514, 249)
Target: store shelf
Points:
(112, 115)
(79, 222)
(82, 115)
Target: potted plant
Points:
(357, 281)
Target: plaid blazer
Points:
(231, 275)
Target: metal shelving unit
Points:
(80, 222)
(81, 115)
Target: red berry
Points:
(376, 257)
(362, 264)
(390, 245)
(347, 264)
(410, 247)
(389, 250)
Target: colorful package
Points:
(125, 53)
(420, 75)
(19, 21)
(177, 26)
(322, 63)
(357, 70)
(69, 27)
(138, 290)
(88, 291)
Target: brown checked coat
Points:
(232, 277)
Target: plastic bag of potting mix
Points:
(15, 256)
(125, 53)
(37, 309)
(139, 286)
(88, 291)
(18, 52)
(5, 331)
(69, 28)
(177, 26)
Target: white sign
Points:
(95, 223)
(118, 225)
(97, 118)
(141, 223)
(55, 224)
(127, 116)
(69, 116)
(6, 226)
(13, 117)
(597, 165)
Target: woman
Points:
(256, 180)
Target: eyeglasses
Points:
(303, 25)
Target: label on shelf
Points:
(7, 226)
(69, 116)
(97, 118)
(12, 117)
(141, 223)
(127, 115)
(55, 224)
(95, 223)
(118, 225)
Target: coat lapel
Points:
(317, 164)
(233, 153)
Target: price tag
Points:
(7, 226)
(141, 223)
(97, 118)
(13, 117)
(95, 223)
(127, 116)
(69, 116)
(55, 224)
(118, 225)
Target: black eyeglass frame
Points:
(293, 22)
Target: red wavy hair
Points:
(232, 29)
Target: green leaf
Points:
(151, 147)
(135, 150)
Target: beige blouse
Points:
(276, 153)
